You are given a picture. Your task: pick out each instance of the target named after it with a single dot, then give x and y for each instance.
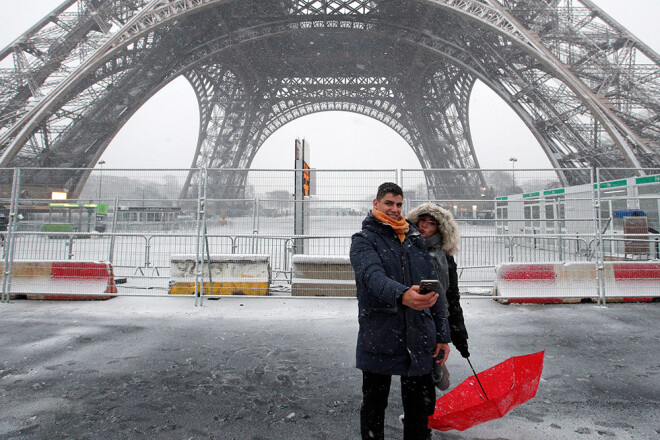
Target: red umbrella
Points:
(490, 394)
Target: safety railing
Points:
(142, 262)
(622, 248)
(137, 219)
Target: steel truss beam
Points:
(585, 88)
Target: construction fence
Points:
(212, 232)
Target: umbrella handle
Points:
(477, 377)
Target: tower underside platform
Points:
(585, 88)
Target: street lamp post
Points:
(513, 161)
(101, 163)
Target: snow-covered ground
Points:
(282, 368)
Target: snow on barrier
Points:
(575, 282)
(230, 274)
(62, 280)
(322, 275)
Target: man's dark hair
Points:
(388, 188)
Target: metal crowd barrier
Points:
(142, 262)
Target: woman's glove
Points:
(459, 337)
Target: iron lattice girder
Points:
(331, 7)
(287, 98)
(48, 51)
(620, 69)
(506, 48)
(444, 109)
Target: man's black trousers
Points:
(418, 395)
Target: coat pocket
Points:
(382, 332)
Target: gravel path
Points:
(282, 369)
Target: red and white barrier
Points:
(62, 280)
(573, 282)
(633, 281)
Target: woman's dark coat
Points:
(394, 339)
(442, 247)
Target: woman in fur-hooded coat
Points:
(442, 246)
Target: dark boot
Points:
(416, 429)
(372, 424)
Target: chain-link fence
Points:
(148, 223)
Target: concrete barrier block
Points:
(322, 275)
(577, 282)
(576, 271)
(633, 280)
(62, 280)
(535, 282)
(28, 269)
(230, 274)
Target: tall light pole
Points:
(513, 161)
(101, 163)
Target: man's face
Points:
(390, 205)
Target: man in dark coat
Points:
(401, 330)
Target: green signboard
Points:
(554, 191)
(648, 179)
(612, 184)
(102, 208)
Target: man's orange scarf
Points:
(400, 226)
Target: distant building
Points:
(151, 218)
(570, 210)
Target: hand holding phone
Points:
(428, 286)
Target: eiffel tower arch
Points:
(587, 89)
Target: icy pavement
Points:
(282, 368)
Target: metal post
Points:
(255, 224)
(510, 247)
(513, 161)
(288, 250)
(100, 195)
(255, 216)
(112, 231)
(596, 215)
(208, 256)
(203, 238)
(71, 247)
(147, 252)
(198, 254)
(299, 207)
(9, 242)
(598, 223)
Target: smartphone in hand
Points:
(428, 286)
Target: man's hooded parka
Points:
(394, 339)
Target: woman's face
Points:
(427, 226)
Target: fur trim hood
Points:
(447, 226)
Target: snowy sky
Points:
(163, 133)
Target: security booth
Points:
(74, 217)
(570, 210)
(147, 218)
